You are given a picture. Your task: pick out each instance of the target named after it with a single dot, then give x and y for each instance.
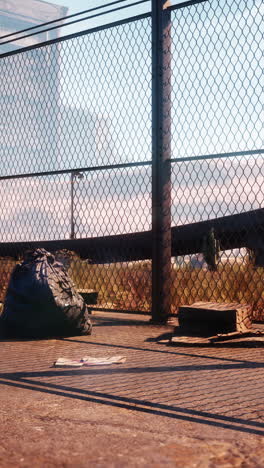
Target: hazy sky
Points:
(216, 107)
(81, 5)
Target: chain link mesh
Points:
(110, 203)
(79, 104)
(217, 89)
(86, 102)
(217, 106)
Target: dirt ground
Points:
(166, 406)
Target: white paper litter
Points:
(89, 361)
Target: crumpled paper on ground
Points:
(89, 361)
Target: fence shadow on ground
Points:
(29, 380)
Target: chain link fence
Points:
(217, 170)
(76, 156)
(77, 114)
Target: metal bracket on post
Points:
(161, 167)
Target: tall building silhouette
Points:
(16, 15)
(29, 89)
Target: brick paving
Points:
(202, 390)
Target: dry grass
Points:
(128, 285)
(120, 285)
(232, 282)
(6, 268)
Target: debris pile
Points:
(208, 323)
(41, 300)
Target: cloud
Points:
(119, 201)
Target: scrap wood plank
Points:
(237, 335)
(247, 338)
(250, 341)
(189, 341)
(231, 342)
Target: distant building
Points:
(39, 130)
(16, 15)
(29, 89)
(77, 130)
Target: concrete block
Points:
(90, 296)
(209, 318)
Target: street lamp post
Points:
(74, 175)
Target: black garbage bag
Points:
(41, 300)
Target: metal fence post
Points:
(161, 155)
